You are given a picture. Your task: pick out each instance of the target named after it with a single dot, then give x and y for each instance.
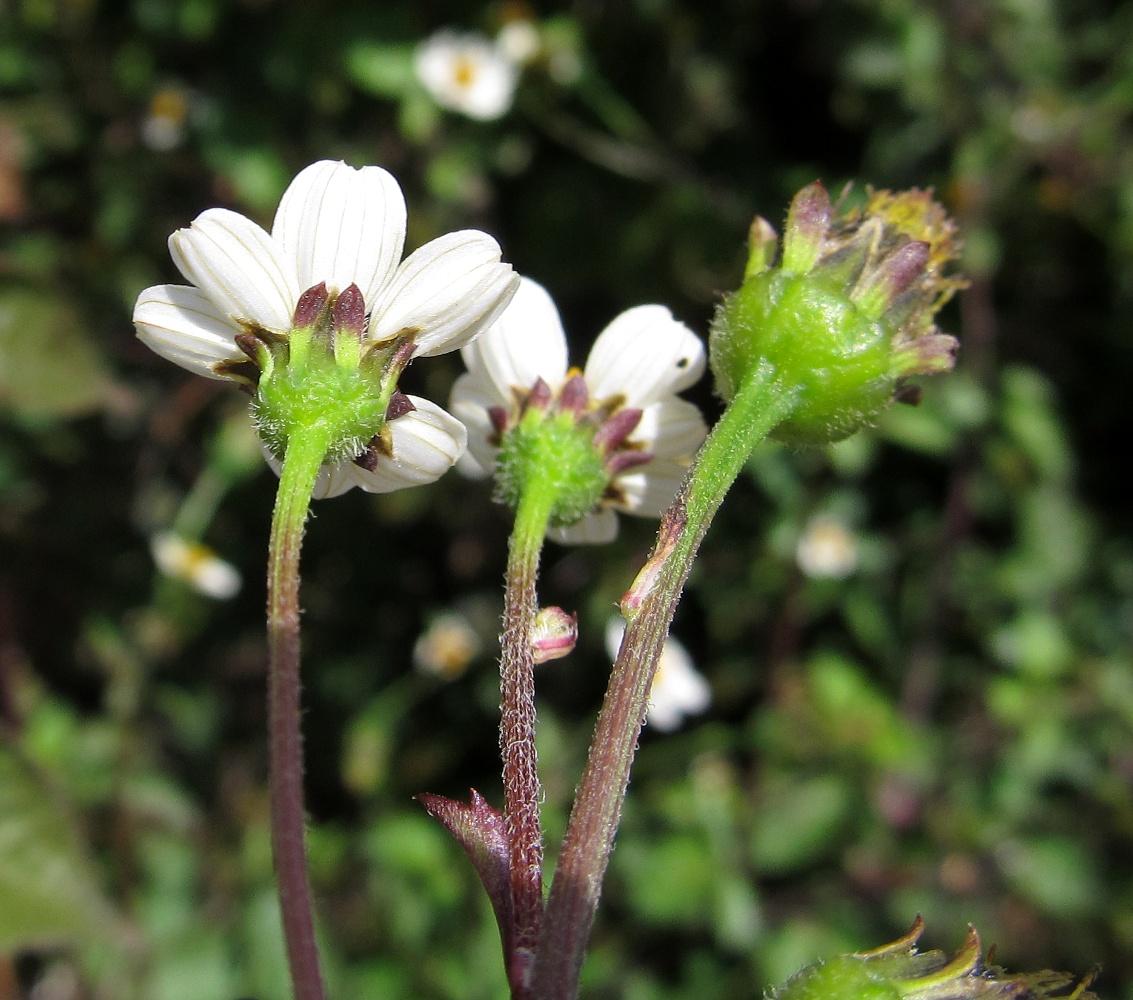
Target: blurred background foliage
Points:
(937, 717)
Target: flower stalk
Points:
(761, 403)
(810, 351)
(306, 449)
(517, 726)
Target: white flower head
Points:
(196, 565)
(164, 125)
(337, 239)
(827, 550)
(467, 73)
(446, 647)
(519, 40)
(637, 366)
(678, 690)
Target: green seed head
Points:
(897, 971)
(846, 315)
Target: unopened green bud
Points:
(848, 313)
(897, 971)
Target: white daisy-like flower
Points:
(341, 228)
(827, 549)
(519, 40)
(467, 73)
(195, 564)
(446, 647)
(678, 690)
(629, 385)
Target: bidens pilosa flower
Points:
(320, 316)
(467, 73)
(195, 564)
(846, 315)
(827, 549)
(615, 436)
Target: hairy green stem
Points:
(305, 452)
(760, 404)
(517, 727)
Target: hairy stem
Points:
(305, 452)
(761, 403)
(517, 729)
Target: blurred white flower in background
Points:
(164, 126)
(195, 564)
(827, 549)
(519, 40)
(467, 73)
(446, 647)
(678, 690)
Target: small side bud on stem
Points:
(553, 635)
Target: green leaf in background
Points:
(670, 881)
(48, 365)
(798, 821)
(49, 890)
(381, 70)
(1055, 873)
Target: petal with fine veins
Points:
(182, 325)
(644, 354)
(671, 428)
(427, 441)
(469, 404)
(448, 291)
(342, 226)
(649, 492)
(333, 480)
(527, 342)
(239, 266)
(594, 529)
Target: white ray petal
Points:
(426, 442)
(644, 354)
(527, 342)
(333, 480)
(342, 225)
(239, 266)
(649, 489)
(597, 528)
(182, 325)
(448, 291)
(671, 428)
(469, 405)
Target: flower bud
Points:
(554, 634)
(847, 314)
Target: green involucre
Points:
(846, 977)
(552, 453)
(817, 339)
(348, 401)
